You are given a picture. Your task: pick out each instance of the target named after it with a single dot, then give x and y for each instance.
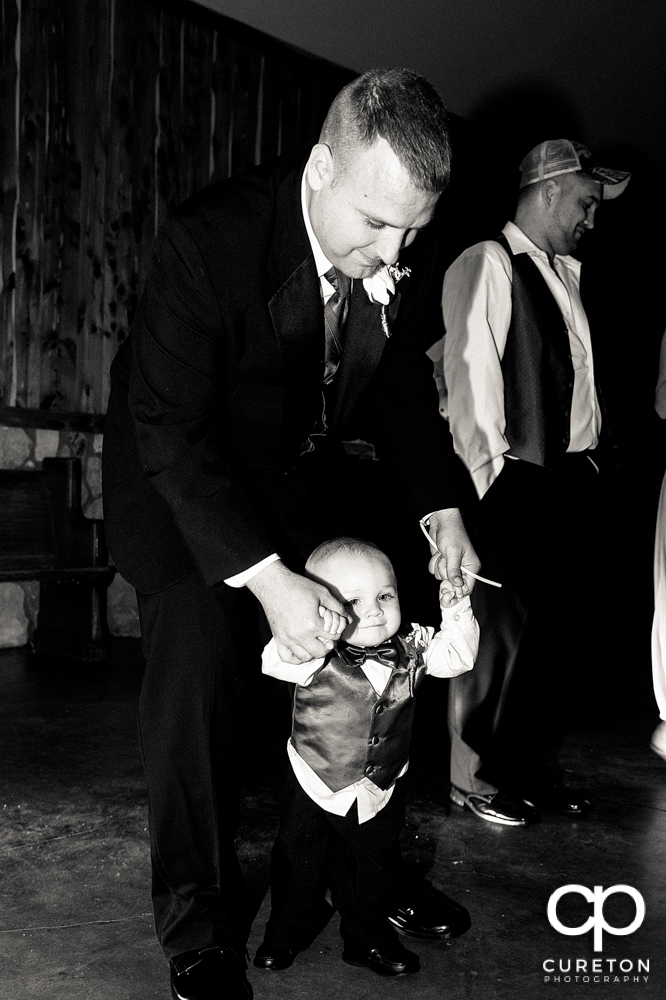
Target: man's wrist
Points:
(444, 514)
(265, 577)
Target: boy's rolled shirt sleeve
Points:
(293, 673)
(453, 649)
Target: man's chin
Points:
(360, 269)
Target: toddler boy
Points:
(353, 710)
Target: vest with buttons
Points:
(536, 367)
(345, 731)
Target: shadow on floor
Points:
(75, 919)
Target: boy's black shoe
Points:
(208, 974)
(274, 959)
(389, 960)
(418, 912)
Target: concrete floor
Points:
(75, 919)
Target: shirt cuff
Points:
(293, 673)
(461, 614)
(240, 579)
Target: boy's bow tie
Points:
(386, 653)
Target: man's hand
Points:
(454, 549)
(292, 605)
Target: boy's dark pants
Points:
(315, 849)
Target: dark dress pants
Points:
(537, 534)
(315, 849)
(201, 646)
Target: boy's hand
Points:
(334, 625)
(447, 594)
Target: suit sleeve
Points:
(178, 403)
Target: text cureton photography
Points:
(596, 970)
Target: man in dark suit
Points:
(223, 465)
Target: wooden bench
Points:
(44, 536)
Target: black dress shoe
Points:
(209, 974)
(425, 914)
(497, 808)
(389, 960)
(273, 958)
(553, 798)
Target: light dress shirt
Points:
(476, 302)
(323, 265)
(446, 653)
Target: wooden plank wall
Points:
(111, 112)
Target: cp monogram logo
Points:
(597, 921)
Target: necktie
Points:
(335, 314)
(355, 656)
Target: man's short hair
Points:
(401, 107)
(345, 544)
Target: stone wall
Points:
(25, 448)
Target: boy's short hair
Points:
(344, 544)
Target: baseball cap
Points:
(565, 156)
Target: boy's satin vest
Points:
(536, 367)
(345, 731)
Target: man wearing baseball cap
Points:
(526, 413)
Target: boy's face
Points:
(366, 586)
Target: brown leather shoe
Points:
(497, 808)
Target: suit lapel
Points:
(295, 305)
(298, 320)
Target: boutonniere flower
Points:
(381, 288)
(416, 638)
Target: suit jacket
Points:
(219, 384)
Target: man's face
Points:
(367, 588)
(572, 212)
(364, 217)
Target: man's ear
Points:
(319, 169)
(550, 192)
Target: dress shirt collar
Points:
(520, 243)
(321, 261)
